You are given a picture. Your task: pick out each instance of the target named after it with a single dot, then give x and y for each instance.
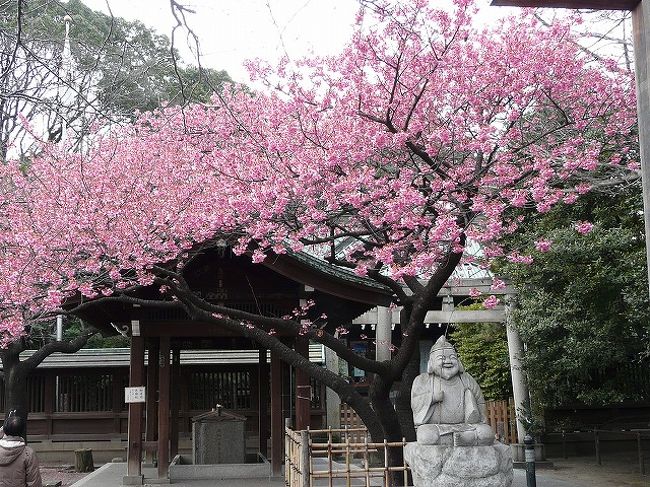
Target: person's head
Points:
(14, 425)
(443, 360)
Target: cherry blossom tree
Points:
(428, 131)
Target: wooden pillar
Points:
(175, 402)
(136, 378)
(163, 409)
(277, 423)
(151, 414)
(303, 388)
(263, 379)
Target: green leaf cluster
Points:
(483, 348)
(582, 308)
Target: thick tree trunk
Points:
(83, 460)
(16, 396)
(380, 399)
(403, 401)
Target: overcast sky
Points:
(232, 31)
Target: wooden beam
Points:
(303, 388)
(163, 409)
(263, 380)
(584, 4)
(134, 467)
(277, 423)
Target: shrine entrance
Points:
(267, 391)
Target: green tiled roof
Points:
(336, 271)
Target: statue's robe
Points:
(461, 407)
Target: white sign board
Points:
(134, 394)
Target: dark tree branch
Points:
(57, 346)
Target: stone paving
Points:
(64, 474)
(110, 475)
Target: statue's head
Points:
(443, 360)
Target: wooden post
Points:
(151, 413)
(303, 388)
(175, 402)
(304, 459)
(163, 409)
(134, 467)
(263, 379)
(276, 415)
(83, 460)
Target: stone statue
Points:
(448, 405)
(455, 446)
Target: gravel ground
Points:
(616, 471)
(65, 474)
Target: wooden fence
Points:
(503, 419)
(321, 457)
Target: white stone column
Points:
(332, 398)
(383, 335)
(519, 383)
(641, 22)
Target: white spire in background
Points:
(66, 93)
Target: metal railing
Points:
(638, 436)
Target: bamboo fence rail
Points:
(359, 462)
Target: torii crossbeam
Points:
(641, 31)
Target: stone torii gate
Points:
(641, 32)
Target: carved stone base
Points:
(459, 466)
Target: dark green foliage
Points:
(122, 66)
(583, 306)
(75, 329)
(483, 348)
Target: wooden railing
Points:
(321, 457)
(501, 417)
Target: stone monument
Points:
(455, 446)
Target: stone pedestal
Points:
(459, 466)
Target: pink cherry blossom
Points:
(584, 227)
(491, 302)
(543, 245)
(422, 134)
